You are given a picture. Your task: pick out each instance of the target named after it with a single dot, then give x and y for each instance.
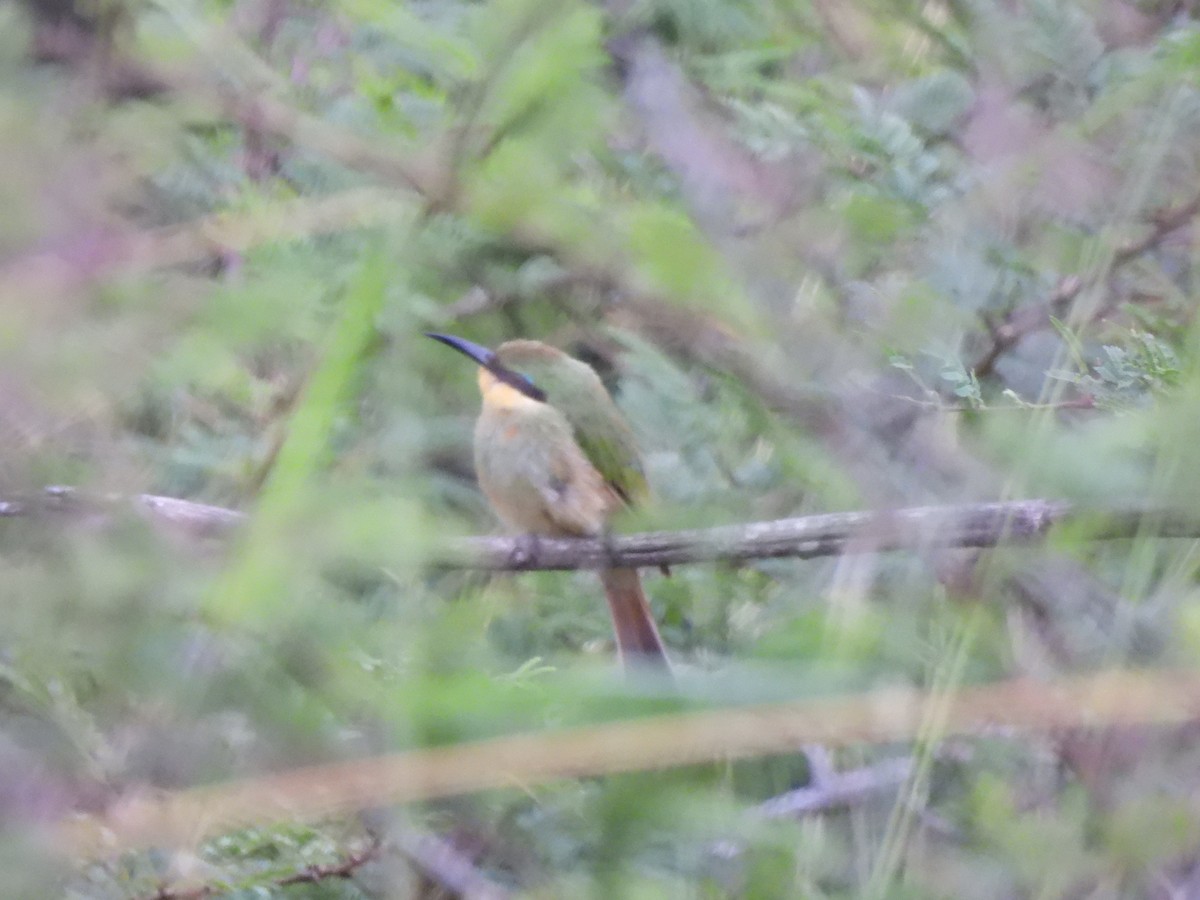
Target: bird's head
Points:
(496, 370)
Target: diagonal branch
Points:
(1028, 319)
(442, 862)
(839, 789)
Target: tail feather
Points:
(638, 641)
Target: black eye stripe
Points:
(518, 381)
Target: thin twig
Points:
(344, 868)
(1164, 223)
(314, 874)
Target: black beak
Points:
(487, 359)
(480, 354)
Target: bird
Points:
(555, 457)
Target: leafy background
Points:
(827, 255)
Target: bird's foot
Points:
(526, 550)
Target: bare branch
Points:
(804, 537)
(839, 789)
(197, 520)
(808, 537)
(1165, 222)
(1025, 321)
(827, 790)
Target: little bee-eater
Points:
(555, 457)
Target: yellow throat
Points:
(498, 395)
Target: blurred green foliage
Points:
(827, 256)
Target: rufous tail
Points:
(638, 642)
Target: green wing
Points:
(600, 429)
(610, 448)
